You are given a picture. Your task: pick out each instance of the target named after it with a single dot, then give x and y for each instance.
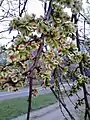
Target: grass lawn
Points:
(2, 90)
(18, 106)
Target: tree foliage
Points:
(46, 48)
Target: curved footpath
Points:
(53, 112)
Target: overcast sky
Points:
(33, 6)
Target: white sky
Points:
(36, 7)
(33, 6)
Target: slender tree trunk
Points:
(30, 77)
(87, 108)
(29, 97)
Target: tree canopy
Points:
(45, 46)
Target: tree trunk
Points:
(29, 97)
(87, 108)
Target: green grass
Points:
(2, 90)
(18, 106)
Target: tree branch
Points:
(23, 8)
(72, 118)
(1, 2)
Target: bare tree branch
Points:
(23, 8)
(1, 2)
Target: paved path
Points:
(21, 93)
(24, 92)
